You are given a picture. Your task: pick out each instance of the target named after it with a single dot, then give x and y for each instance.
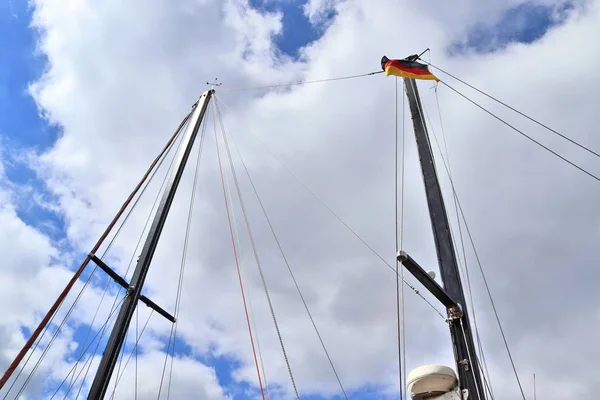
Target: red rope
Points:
(13, 365)
(237, 265)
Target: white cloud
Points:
(317, 10)
(121, 75)
(30, 279)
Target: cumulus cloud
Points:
(120, 77)
(29, 266)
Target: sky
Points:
(90, 91)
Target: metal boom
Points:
(460, 329)
(117, 336)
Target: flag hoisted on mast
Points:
(466, 381)
(407, 69)
(436, 381)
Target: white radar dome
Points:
(431, 380)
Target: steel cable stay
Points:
(455, 244)
(235, 255)
(244, 274)
(486, 377)
(585, 171)
(490, 296)
(300, 82)
(142, 235)
(258, 263)
(459, 250)
(281, 251)
(173, 333)
(462, 216)
(99, 333)
(184, 254)
(35, 338)
(130, 264)
(399, 242)
(51, 341)
(402, 191)
(121, 373)
(72, 370)
(462, 265)
(88, 362)
(63, 322)
(473, 358)
(337, 217)
(40, 332)
(517, 111)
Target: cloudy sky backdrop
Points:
(91, 90)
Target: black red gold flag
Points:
(407, 69)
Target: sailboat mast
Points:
(460, 328)
(119, 331)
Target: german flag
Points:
(407, 69)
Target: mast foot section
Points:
(117, 278)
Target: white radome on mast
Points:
(433, 382)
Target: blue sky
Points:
(22, 129)
(524, 23)
(297, 29)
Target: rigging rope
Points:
(523, 133)
(142, 234)
(101, 332)
(121, 373)
(236, 258)
(262, 277)
(173, 334)
(334, 214)
(288, 265)
(50, 314)
(491, 298)
(49, 318)
(473, 359)
(402, 179)
(482, 273)
(249, 291)
(517, 111)
(399, 320)
(44, 352)
(79, 359)
(300, 82)
(141, 237)
(462, 244)
(135, 348)
(399, 335)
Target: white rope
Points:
(244, 273)
(273, 86)
(448, 168)
(256, 257)
(402, 180)
(462, 327)
(399, 220)
(397, 264)
(483, 276)
(334, 214)
(463, 265)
